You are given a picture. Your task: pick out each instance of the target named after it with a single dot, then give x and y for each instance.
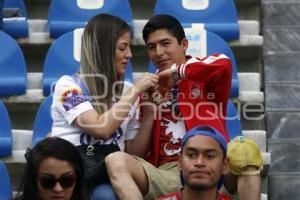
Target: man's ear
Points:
(225, 166)
(185, 44)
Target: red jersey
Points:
(172, 129)
(202, 98)
(177, 196)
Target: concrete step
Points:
(35, 47)
(38, 34)
(22, 141)
(250, 87)
(31, 96)
(263, 197)
(258, 136)
(34, 92)
(249, 33)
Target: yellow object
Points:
(242, 152)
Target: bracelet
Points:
(174, 72)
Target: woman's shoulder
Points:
(64, 79)
(64, 83)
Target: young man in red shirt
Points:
(195, 92)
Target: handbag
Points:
(93, 159)
(93, 155)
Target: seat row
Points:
(219, 16)
(43, 123)
(63, 58)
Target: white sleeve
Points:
(134, 123)
(69, 99)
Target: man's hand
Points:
(166, 80)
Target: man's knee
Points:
(116, 160)
(244, 157)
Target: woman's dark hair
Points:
(55, 148)
(171, 24)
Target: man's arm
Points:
(208, 69)
(214, 70)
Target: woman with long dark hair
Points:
(53, 169)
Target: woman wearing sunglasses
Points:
(53, 170)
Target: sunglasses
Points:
(48, 182)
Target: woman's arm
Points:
(140, 144)
(102, 126)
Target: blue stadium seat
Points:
(16, 27)
(66, 15)
(218, 16)
(5, 132)
(203, 43)
(6, 188)
(43, 121)
(63, 59)
(13, 76)
(233, 123)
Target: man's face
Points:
(202, 163)
(164, 50)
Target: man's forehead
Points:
(159, 36)
(202, 142)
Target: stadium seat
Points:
(43, 121)
(233, 123)
(63, 59)
(66, 15)
(16, 27)
(6, 187)
(203, 43)
(218, 16)
(5, 132)
(13, 76)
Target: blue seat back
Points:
(5, 132)
(17, 27)
(43, 121)
(63, 59)
(6, 188)
(203, 43)
(13, 76)
(66, 15)
(218, 16)
(233, 123)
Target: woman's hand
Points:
(145, 82)
(157, 97)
